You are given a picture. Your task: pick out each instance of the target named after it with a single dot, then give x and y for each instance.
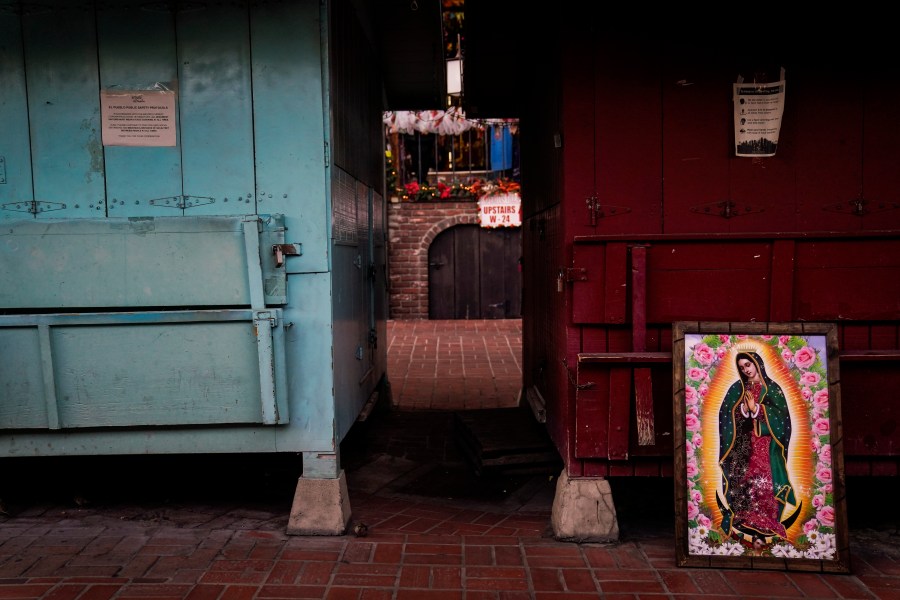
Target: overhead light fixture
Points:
(454, 77)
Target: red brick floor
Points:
(453, 365)
(432, 531)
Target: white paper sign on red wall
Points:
(503, 210)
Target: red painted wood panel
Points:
(594, 339)
(871, 427)
(885, 336)
(615, 302)
(588, 297)
(763, 189)
(577, 136)
(696, 136)
(638, 298)
(835, 146)
(621, 469)
(880, 468)
(709, 281)
(855, 336)
(881, 177)
(848, 280)
(781, 301)
(828, 147)
(595, 468)
(619, 339)
(647, 469)
(628, 120)
(592, 412)
(620, 393)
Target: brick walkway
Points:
(433, 529)
(452, 365)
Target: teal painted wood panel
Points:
(137, 52)
(216, 109)
(289, 121)
(15, 148)
(166, 374)
(176, 261)
(143, 369)
(22, 390)
(174, 440)
(64, 112)
(309, 339)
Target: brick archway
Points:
(412, 227)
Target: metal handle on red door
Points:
(436, 265)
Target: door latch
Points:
(282, 250)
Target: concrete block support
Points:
(321, 507)
(583, 510)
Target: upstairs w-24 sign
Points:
(503, 210)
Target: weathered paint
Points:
(158, 243)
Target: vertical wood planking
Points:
(588, 296)
(287, 114)
(643, 385)
(64, 111)
(781, 300)
(591, 412)
(880, 176)
(628, 116)
(216, 110)
(15, 147)
(616, 297)
(137, 52)
(619, 412)
(828, 159)
(697, 139)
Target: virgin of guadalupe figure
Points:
(754, 436)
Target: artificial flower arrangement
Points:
(443, 192)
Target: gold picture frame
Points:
(759, 466)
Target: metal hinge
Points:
(860, 207)
(726, 209)
(33, 206)
(599, 211)
(182, 202)
(576, 274)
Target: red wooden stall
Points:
(638, 213)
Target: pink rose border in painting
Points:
(802, 359)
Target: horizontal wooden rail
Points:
(865, 355)
(624, 357)
(663, 357)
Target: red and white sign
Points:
(504, 210)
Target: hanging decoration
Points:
(452, 121)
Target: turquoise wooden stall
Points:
(205, 276)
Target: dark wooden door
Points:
(473, 273)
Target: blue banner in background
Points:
(501, 148)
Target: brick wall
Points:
(412, 226)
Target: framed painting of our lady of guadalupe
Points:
(758, 458)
